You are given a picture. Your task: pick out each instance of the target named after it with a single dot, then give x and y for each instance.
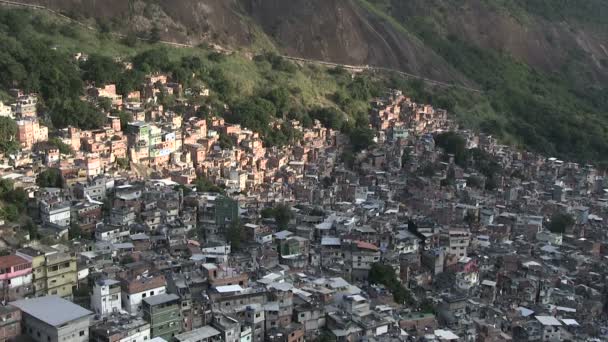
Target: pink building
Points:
(15, 277)
(31, 132)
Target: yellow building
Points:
(54, 272)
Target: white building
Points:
(58, 214)
(135, 291)
(5, 111)
(106, 297)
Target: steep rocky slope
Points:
(376, 32)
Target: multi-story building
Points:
(163, 314)
(10, 322)
(359, 257)
(459, 240)
(54, 272)
(53, 319)
(106, 297)
(31, 132)
(57, 213)
(121, 328)
(229, 327)
(15, 277)
(134, 291)
(25, 106)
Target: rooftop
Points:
(52, 310)
(161, 299)
(197, 334)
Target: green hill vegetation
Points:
(555, 113)
(558, 109)
(38, 57)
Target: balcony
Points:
(67, 267)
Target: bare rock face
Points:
(346, 31)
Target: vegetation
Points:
(14, 201)
(234, 235)
(560, 223)
(281, 213)
(385, 275)
(515, 106)
(549, 113)
(50, 178)
(205, 185)
(8, 135)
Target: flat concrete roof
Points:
(52, 310)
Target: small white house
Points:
(106, 297)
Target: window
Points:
(144, 295)
(151, 293)
(81, 333)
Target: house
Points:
(54, 319)
(121, 328)
(163, 313)
(10, 324)
(203, 334)
(15, 277)
(106, 297)
(136, 290)
(30, 131)
(53, 272)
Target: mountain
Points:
(543, 64)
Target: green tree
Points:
(279, 96)
(361, 138)
(50, 178)
(32, 229)
(225, 141)
(75, 231)
(101, 70)
(560, 223)
(155, 34)
(122, 163)
(10, 213)
(8, 135)
(234, 235)
(385, 275)
(329, 117)
(60, 145)
(405, 158)
(282, 215)
(453, 143)
(204, 185)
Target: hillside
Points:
(543, 64)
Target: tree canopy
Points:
(560, 223)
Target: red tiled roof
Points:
(366, 245)
(12, 260)
(144, 284)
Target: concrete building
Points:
(121, 328)
(31, 132)
(136, 290)
(53, 319)
(58, 214)
(15, 277)
(54, 272)
(10, 322)
(106, 297)
(163, 314)
(203, 334)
